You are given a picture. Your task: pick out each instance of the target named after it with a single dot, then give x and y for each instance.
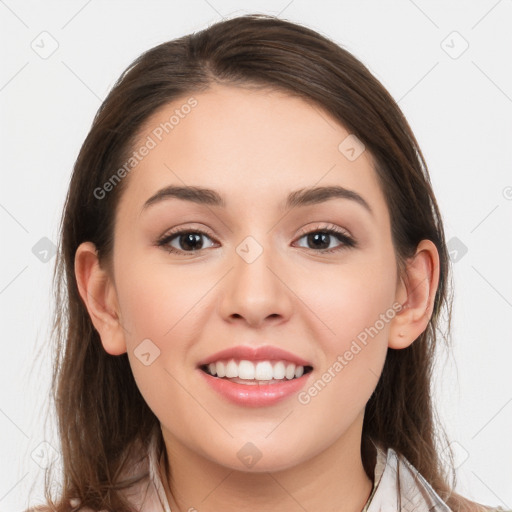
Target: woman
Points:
(255, 266)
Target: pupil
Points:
(190, 239)
(315, 237)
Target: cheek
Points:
(158, 303)
(156, 299)
(354, 305)
(161, 303)
(351, 299)
(352, 355)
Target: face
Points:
(254, 271)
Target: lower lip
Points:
(258, 395)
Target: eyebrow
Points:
(298, 198)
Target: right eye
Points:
(189, 239)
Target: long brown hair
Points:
(100, 411)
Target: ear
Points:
(416, 292)
(98, 293)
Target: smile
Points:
(248, 390)
(257, 372)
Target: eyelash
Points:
(347, 241)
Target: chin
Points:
(250, 458)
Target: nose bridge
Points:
(254, 290)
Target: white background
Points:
(459, 108)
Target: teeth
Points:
(245, 370)
(262, 370)
(221, 369)
(279, 370)
(231, 370)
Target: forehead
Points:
(254, 146)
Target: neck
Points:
(333, 480)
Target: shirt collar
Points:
(399, 486)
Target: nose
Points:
(256, 291)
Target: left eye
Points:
(319, 236)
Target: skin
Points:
(254, 147)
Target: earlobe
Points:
(416, 292)
(99, 296)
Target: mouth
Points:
(263, 372)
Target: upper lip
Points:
(249, 353)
